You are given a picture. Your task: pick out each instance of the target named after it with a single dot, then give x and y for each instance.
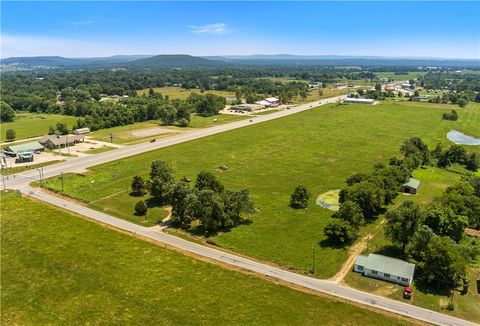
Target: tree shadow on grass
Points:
(136, 194)
(329, 243)
(429, 288)
(391, 251)
(153, 202)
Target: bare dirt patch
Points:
(141, 133)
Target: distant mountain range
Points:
(186, 61)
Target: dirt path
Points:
(354, 251)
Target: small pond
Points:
(461, 139)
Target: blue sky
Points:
(80, 29)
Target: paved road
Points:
(324, 286)
(79, 164)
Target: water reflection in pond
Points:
(461, 139)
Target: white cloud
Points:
(83, 22)
(209, 28)
(16, 45)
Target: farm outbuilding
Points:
(385, 268)
(410, 187)
(241, 107)
(81, 131)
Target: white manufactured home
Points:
(354, 100)
(385, 268)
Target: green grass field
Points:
(181, 93)
(33, 124)
(99, 150)
(59, 269)
(123, 135)
(391, 75)
(318, 148)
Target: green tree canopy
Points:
(402, 223)
(300, 197)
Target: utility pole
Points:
(3, 181)
(62, 182)
(40, 176)
(313, 262)
(68, 146)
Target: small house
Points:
(385, 268)
(410, 187)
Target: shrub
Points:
(141, 208)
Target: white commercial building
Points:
(359, 100)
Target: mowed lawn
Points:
(126, 134)
(181, 93)
(59, 269)
(318, 148)
(28, 125)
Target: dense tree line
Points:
(208, 202)
(364, 198)
(434, 236)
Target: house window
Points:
(386, 275)
(360, 268)
(404, 279)
(374, 272)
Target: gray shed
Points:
(410, 187)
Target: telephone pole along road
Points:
(311, 283)
(21, 182)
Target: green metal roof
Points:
(27, 147)
(387, 265)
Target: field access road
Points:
(79, 164)
(324, 286)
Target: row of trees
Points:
(367, 194)
(434, 236)
(456, 154)
(364, 199)
(208, 202)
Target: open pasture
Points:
(318, 148)
(59, 269)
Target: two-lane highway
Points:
(21, 182)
